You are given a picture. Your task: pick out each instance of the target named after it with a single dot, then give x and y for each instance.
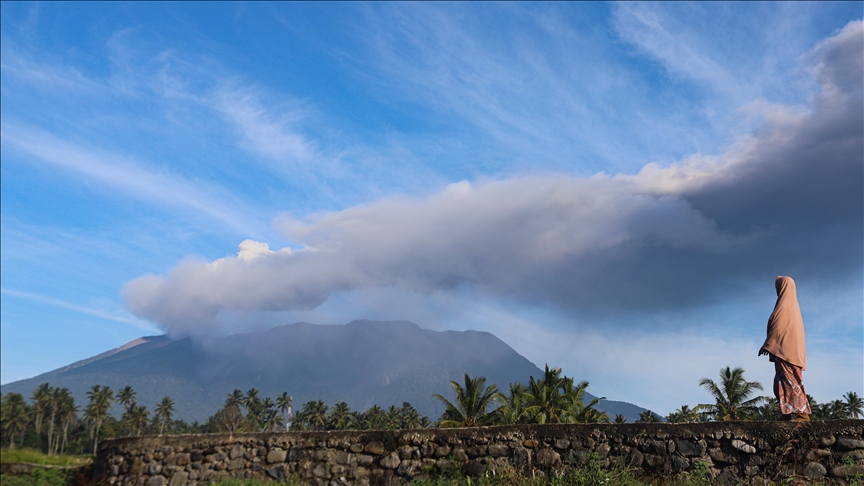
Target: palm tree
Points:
(731, 395)
(138, 415)
(833, 410)
(620, 419)
(41, 397)
(683, 414)
(472, 404)
(516, 406)
(53, 401)
(14, 417)
(67, 412)
(648, 416)
(769, 410)
(164, 411)
(593, 416)
(374, 418)
(854, 405)
(409, 417)
(126, 397)
(339, 416)
(315, 414)
(554, 399)
(393, 418)
(236, 398)
(97, 409)
(284, 402)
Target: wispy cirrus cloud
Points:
(133, 180)
(119, 315)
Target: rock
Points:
(474, 468)
(277, 473)
(179, 479)
(814, 470)
(405, 452)
(827, 441)
(196, 456)
(390, 461)
(577, 457)
(635, 458)
(817, 454)
(679, 464)
(181, 459)
(670, 447)
(498, 450)
(530, 444)
(320, 471)
(459, 455)
(846, 444)
(759, 481)
(156, 481)
(442, 451)
(547, 458)
(374, 448)
(355, 448)
(728, 476)
(603, 450)
(320, 455)
(236, 464)
(276, 455)
(847, 470)
(365, 460)
(856, 455)
(154, 468)
(688, 448)
(654, 461)
(236, 451)
(343, 457)
(295, 453)
(476, 451)
(562, 444)
(743, 447)
(720, 456)
(427, 450)
(521, 458)
(407, 468)
(339, 481)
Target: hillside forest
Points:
(51, 421)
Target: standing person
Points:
(785, 346)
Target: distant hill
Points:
(362, 363)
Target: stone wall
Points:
(732, 452)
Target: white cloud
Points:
(666, 238)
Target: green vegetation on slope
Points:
(31, 456)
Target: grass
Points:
(31, 456)
(37, 477)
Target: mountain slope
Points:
(363, 363)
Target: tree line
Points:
(53, 423)
(735, 399)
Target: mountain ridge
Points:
(363, 363)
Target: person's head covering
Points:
(785, 326)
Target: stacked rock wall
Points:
(731, 452)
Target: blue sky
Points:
(610, 188)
